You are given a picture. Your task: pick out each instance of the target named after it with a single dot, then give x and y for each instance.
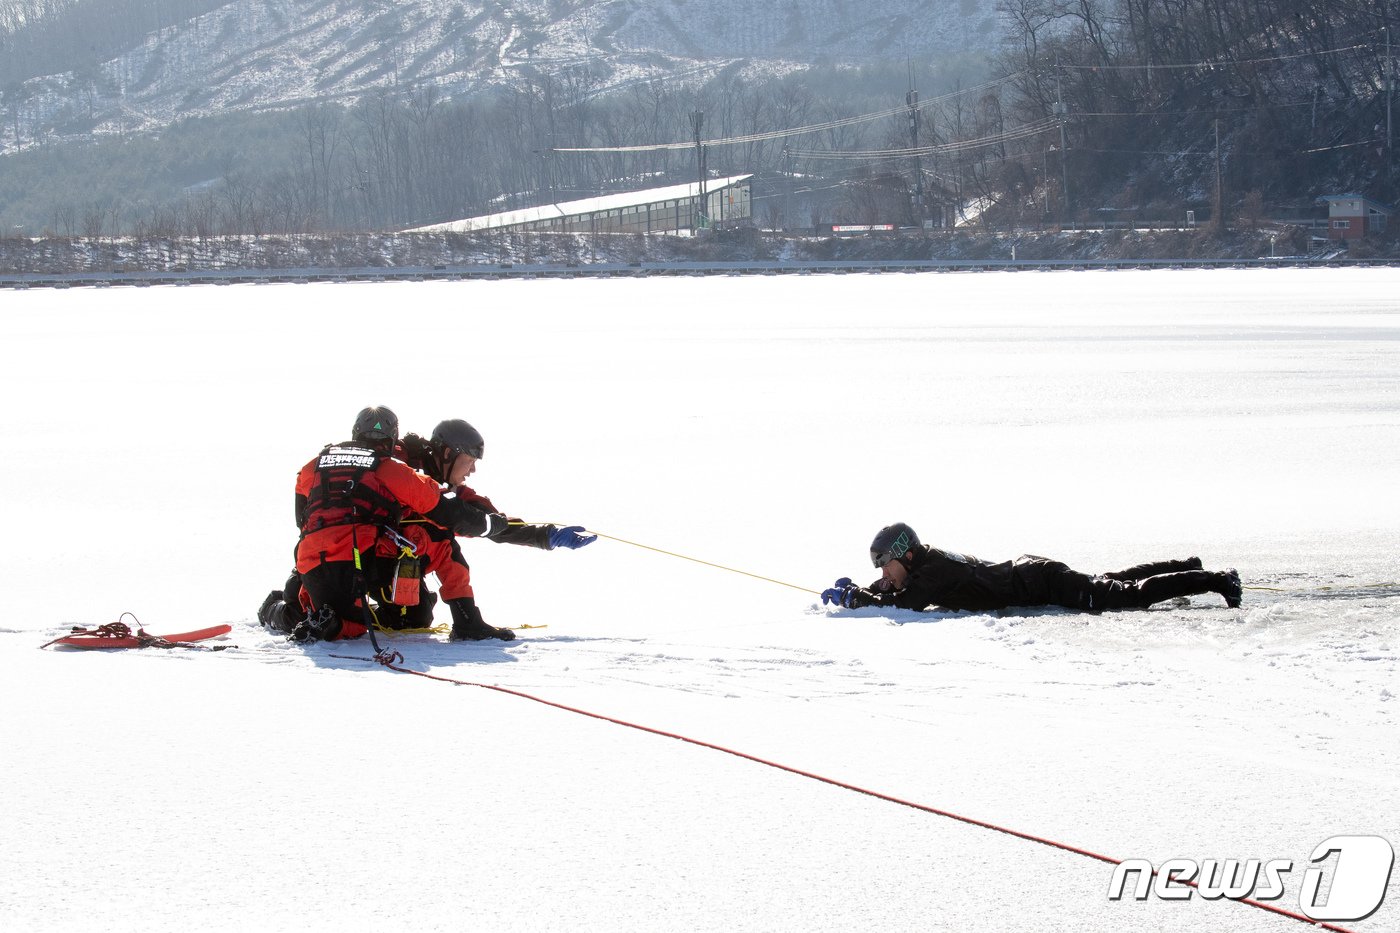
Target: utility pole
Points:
(912, 99)
(1045, 185)
(1218, 220)
(787, 194)
(697, 121)
(550, 170)
(1389, 85)
(1061, 111)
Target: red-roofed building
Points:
(1352, 216)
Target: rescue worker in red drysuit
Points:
(916, 576)
(348, 498)
(449, 456)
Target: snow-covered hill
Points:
(274, 53)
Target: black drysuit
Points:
(945, 580)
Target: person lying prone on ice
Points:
(917, 576)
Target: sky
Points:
(769, 425)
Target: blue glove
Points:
(572, 537)
(843, 594)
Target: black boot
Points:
(1231, 587)
(277, 615)
(1143, 571)
(1166, 586)
(268, 605)
(291, 590)
(468, 625)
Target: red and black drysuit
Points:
(946, 580)
(348, 500)
(439, 553)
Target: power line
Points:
(1021, 132)
(800, 130)
(1181, 153)
(1212, 64)
(1208, 64)
(1364, 142)
(1207, 155)
(881, 157)
(1190, 113)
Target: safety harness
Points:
(339, 494)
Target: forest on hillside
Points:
(1263, 104)
(1120, 109)
(40, 37)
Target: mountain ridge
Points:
(280, 54)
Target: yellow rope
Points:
(381, 627)
(707, 563)
(438, 629)
(696, 560)
(1272, 589)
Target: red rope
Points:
(119, 629)
(392, 661)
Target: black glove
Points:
(467, 520)
(413, 450)
(495, 524)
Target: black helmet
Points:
(376, 425)
(450, 438)
(892, 543)
(458, 437)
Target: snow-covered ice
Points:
(772, 425)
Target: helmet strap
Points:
(442, 457)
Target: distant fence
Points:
(630, 269)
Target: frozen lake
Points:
(1251, 417)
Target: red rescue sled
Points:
(119, 635)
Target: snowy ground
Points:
(772, 425)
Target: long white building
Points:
(655, 210)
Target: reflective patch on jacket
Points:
(356, 457)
